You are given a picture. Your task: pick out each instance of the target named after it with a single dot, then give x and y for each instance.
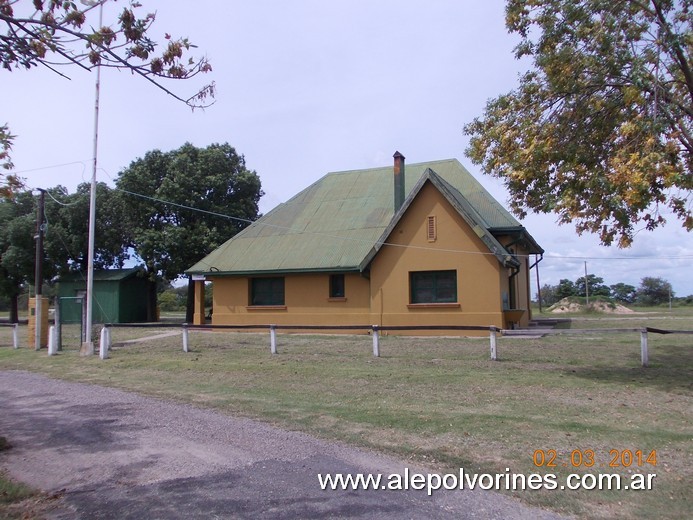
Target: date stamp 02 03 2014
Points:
(588, 458)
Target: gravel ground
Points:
(110, 454)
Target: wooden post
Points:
(103, 343)
(643, 347)
(58, 325)
(185, 338)
(492, 338)
(199, 312)
(273, 339)
(15, 336)
(52, 341)
(376, 341)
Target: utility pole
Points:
(587, 288)
(88, 345)
(38, 285)
(536, 264)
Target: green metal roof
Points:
(337, 223)
(102, 275)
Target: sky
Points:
(309, 87)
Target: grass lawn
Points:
(441, 402)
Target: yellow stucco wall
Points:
(457, 247)
(307, 302)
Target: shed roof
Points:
(102, 275)
(338, 222)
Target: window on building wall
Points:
(431, 228)
(337, 286)
(267, 291)
(433, 286)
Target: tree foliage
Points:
(18, 224)
(67, 229)
(593, 285)
(179, 203)
(53, 34)
(600, 130)
(65, 236)
(623, 292)
(653, 291)
(9, 183)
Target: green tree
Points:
(17, 247)
(65, 236)
(10, 183)
(623, 292)
(54, 34)
(600, 130)
(549, 294)
(183, 204)
(564, 289)
(653, 291)
(67, 223)
(594, 283)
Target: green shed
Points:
(120, 296)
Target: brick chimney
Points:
(399, 180)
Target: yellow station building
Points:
(394, 246)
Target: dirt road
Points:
(118, 455)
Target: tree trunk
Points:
(151, 302)
(14, 308)
(190, 303)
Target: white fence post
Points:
(103, 343)
(376, 341)
(273, 339)
(185, 338)
(643, 347)
(492, 339)
(15, 336)
(52, 341)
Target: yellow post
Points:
(199, 312)
(31, 336)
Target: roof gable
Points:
(463, 208)
(340, 221)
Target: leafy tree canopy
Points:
(623, 292)
(179, 203)
(56, 33)
(594, 284)
(18, 224)
(600, 130)
(65, 236)
(67, 229)
(653, 291)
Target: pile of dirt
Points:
(570, 305)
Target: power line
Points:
(352, 239)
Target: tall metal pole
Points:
(38, 291)
(88, 345)
(587, 289)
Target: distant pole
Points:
(587, 288)
(88, 345)
(536, 265)
(670, 297)
(38, 290)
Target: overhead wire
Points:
(376, 243)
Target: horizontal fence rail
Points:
(374, 330)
